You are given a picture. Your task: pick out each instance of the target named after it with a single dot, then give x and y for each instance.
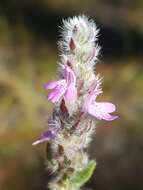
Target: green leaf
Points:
(83, 176)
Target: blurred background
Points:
(29, 30)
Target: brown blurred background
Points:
(28, 59)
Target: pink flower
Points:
(100, 110)
(64, 87)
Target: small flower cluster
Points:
(74, 94)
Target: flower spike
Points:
(73, 121)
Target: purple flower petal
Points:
(90, 99)
(48, 135)
(71, 93)
(55, 95)
(107, 107)
(58, 92)
(109, 117)
(51, 85)
(101, 110)
(69, 76)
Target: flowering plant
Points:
(76, 110)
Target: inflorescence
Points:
(76, 110)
